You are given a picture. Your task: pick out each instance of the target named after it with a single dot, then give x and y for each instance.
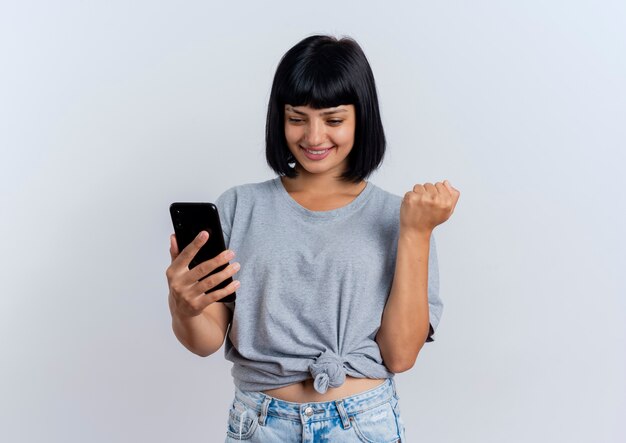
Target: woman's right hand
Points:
(187, 292)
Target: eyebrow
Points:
(321, 113)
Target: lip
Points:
(317, 156)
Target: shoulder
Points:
(237, 202)
(242, 193)
(388, 200)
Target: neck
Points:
(321, 184)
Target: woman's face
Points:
(328, 132)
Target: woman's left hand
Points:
(427, 206)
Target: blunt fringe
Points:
(322, 71)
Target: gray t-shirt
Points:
(313, 285)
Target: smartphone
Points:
(188, 220)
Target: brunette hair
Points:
(322, 71)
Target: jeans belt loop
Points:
(345, 420)
(264, 407)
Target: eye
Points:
(294, 120)
(335, 122)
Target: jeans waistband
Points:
(265, 405)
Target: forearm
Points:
(405, 321)
(200, 334)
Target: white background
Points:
(109, 111)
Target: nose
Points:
(315, 133)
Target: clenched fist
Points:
(427, 206)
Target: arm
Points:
(405, 321)
(203, 334)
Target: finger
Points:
(418, 188)
(442, 189)
(430, 188)
(187, 254)
(453, 191)
(215, 279)
(219, 294)
(173, 247)
(208, 266)
(450, 187)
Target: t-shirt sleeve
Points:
(226, 204)
(435, 304)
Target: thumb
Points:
(173, 247)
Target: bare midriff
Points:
(303, 392)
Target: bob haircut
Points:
(323, 72)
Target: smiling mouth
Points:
(318, 151)
(317, 154)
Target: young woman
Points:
(339, 278)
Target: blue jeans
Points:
(371, 416)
